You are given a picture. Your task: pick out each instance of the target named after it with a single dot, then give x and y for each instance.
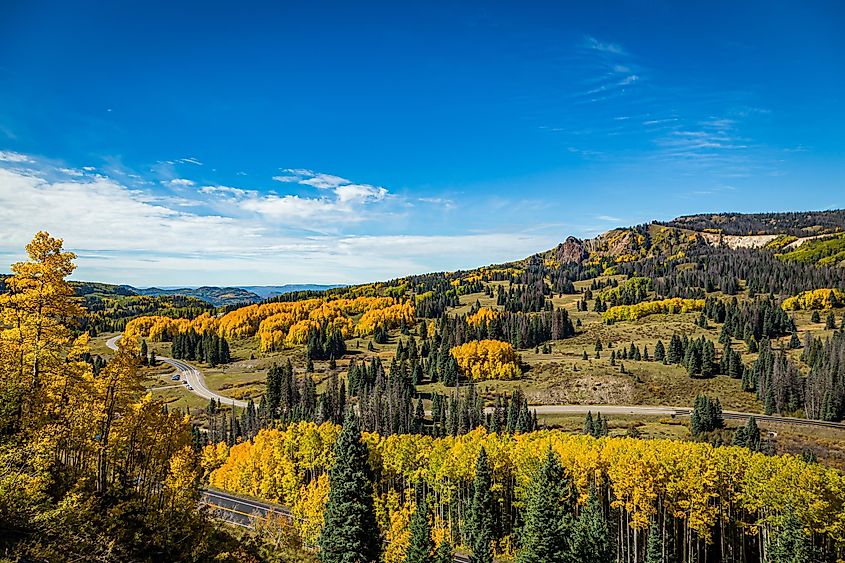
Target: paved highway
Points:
(190, 374)
(244, 511)
(675, 411)
(195, 379)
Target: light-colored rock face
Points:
(753, 241)
(739, 241)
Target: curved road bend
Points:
(190, 374)
(242, 511)
(195, 379)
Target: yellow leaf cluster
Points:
(815, 299)
(281, 324)
(482, 315)
(671, 306)
(487, 359)
(690, 480)
(386, 318)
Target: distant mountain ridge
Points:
(267, 291)
(217, 296)
(213, 295)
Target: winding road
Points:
(196, 380)
(190, 374)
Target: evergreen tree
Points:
(422, 546)
(654, 549)
(548, 515)
(350, 533)
(445, 553)
(589, 426)
(481, 515)
(591, 538)
(790, 544)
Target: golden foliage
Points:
(815, 299)
(385, 318)
(693, 481)
(487, 359)
(482, 315)
(91, 430)
(282, 324)
(671, 306)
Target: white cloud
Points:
(591, 42)
(609, 218)
(226, 191)
(181, 183)
(127, 235)
(72, 172)
(11, 156)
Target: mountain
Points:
(267, 291)
(217, 296)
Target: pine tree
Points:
(790, 544)
(350, 533)
(481, 517)
(591, 538)
(548, 515)
(589, 426)
(422, 546)
(445, 553)
(659, 351)
(654, 549)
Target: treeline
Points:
(706, 269)
(754, 320)
(110, 314)
(796, 223)
(523, 298)
(782, 388)
(207, 347)
(644, 500)
(519, 329)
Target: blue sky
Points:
(239, 143)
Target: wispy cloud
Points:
(11, 156)
(181, 183)
(594, 44)
(226, 234)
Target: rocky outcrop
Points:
(571, 251)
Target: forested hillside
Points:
(653, 314)
(428, 407)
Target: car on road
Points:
(190, 388)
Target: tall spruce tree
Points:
(422, 546)
(591, 538)
(445, 553)
(350, 533)
(790, 544)
(654, 549)
(481, 517)
(548, 515)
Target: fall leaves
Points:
(487, 359)
(692, 481)
(815, 299)
(285, 324)
(671, 306)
